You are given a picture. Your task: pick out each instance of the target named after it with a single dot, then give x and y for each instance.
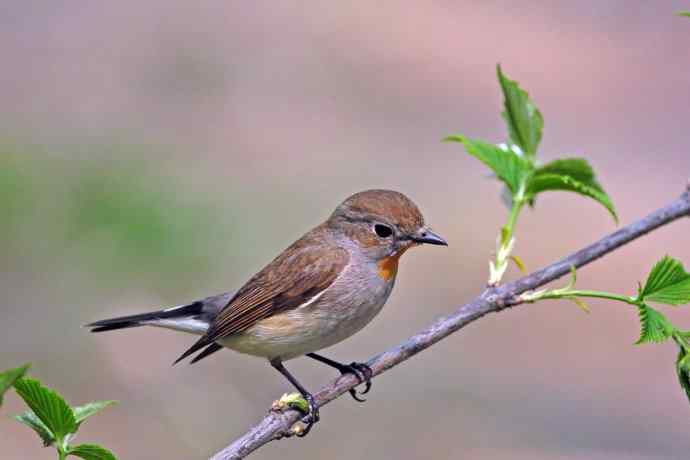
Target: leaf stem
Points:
(560, 294)
(680, 340)
(514, 213)
(505, 241)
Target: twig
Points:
(276, 425)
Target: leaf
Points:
(520, 264)
(91, 452)
(525, 122)
(29, 419)
(577, 168)
(580, 303)
(291, 401)
(10, 376)
(570, 175)
(508, 166)
(87, 410)
(683, 370)
(654, 326)
(667, 283)
(48, 406)
(683, 13)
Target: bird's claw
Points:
(363, 373)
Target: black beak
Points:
(428, 237)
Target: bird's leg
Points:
(313, 416)
(361, 370)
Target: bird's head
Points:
(383, 224)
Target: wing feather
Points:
(301, 272)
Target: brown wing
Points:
(301, 272)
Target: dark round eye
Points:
(384, 231)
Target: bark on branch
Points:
(276, 425)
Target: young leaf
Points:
(580, 303)
(525, 123)
(654, 326)
(683, 370)
(10, 376)
(519, 263)
(667, 283)
(291, 401)
(29, 419)
(48, 406)
(556, 176)
(506, 164)
(91, 452)
(87, 410)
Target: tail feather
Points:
(194, 318)
(124, 322)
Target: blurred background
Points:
(155, 153)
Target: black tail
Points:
(124, 322)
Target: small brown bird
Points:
(322, 289)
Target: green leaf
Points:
(570, 175)
(48, 406)
(654, 326)
(519, 263)
(291, 401)
(29, 419)
(667, 283)
(10, 376)
(577, 168)
(683, 370)
(579, 302)
(91, 452)
(684, 13)
(87, 410)
(525, 123)
(506, 164)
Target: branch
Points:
(277, 425)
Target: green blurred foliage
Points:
(117, 219)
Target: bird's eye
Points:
(384, 231)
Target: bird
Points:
(322, 289)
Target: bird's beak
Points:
(428, 237)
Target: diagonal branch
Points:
(276, 425)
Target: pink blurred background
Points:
(218, 132)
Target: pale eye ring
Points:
(383, 231)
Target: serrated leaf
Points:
(508, 166)
(48, 406)
(91, 452)
(29, 419)
(87, 410)
(577, 168)
(683, 371)
(545, 180)
(525, 122)
(8, 377)
(667, 283)
(654, 326)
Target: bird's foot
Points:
(363, 373)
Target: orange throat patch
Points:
(388, 267)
